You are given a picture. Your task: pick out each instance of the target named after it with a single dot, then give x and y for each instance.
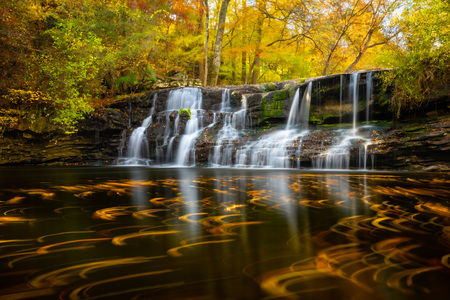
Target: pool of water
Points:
(148, 233)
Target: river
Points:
(190, 233)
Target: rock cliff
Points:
(417, 142)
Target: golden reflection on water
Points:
(283, 236)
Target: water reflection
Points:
(223, 234)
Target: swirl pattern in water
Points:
(138, 233)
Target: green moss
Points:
(281, 95)
(292, 90)
(319, 118)
(182, 111)
(314, 119)
(301, 80)
(270, 87)
(271, 108)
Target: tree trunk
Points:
(167, 57)
(249, 72)
(218, 45)
(360, 53)
(244, 67)
(257, 60)
(205, 71)
(256, 67)
(244, 42)
(233, 67)
(200, 28)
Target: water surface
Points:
(147, 233)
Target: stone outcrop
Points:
(103, 136)
(423, 146)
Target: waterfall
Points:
(302, 117)
(305, 107)
(280, 148)
(235, 145)
(341, 87)
(338, 155)
(188, 98)
(184, 98)
(228, 134)
(293, 113)
(225, 105)
(368, 95)
(239, 118)
(138, 149)
(354, 97)
(223, 150)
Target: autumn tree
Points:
(369, 32)
(256, 64)
(218, 44)
(333, 31)
(205, 44)
(421, 63)
(20, 23)
(80, 54)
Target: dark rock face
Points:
(420, 146)
(96, 142)
(103, 136)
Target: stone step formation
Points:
(345, 124)
(233, 136)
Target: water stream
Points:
(279, 148)
(228, 135)
(338, 156)
(138, 149)
(199, 233)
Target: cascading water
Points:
(354, 97)
(239, 118)
(225, 105)
(190, 98)
(339, 154)
(341, 92)
(138, 150)
(235, 145)
(369, 78)
(278, 149)
(294, 116)
(228, 134)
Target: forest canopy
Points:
(79, 55)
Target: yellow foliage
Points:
(8, 119)
(18, 97)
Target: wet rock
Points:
(104, 134)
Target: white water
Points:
(225, 105)
(341, 90)
(239, 118)
(354, 97)
(274, 150)
(228, 135)
(368, 95)
(223, 150)
(279, 148)
(188, 98)
(138, 150)
(293, 113)
(185, 98)
(338, 155)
